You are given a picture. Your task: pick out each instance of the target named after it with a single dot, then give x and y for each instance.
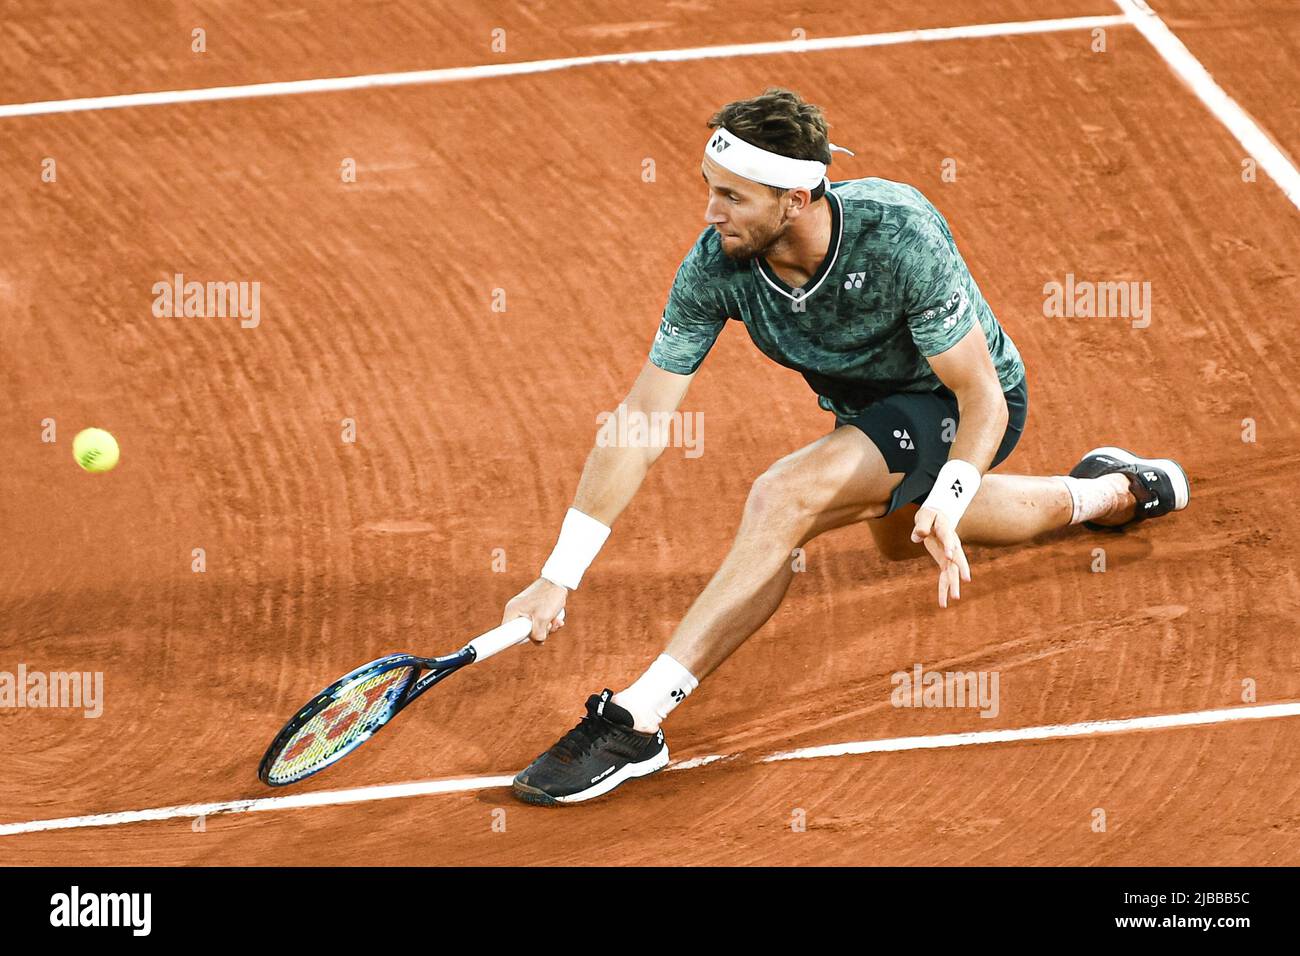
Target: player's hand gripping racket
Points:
(351, 710)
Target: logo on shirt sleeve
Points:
(666, 328)
(953, 308)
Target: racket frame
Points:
(508, 634)
(438, 669)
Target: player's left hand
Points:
(940, 539)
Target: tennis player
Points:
(859, 286)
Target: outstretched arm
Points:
(613, 473)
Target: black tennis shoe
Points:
(593, 758)
(1159, 484)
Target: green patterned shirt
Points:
(892, 291)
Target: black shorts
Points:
(914, 431)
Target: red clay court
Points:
(472, 425)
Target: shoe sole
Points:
(643, 769)
(1177, 477)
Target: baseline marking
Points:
(1189, 69)
(1089, 728)
(298, 801)
(426, 787)
(486, 71)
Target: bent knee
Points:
(779, 498)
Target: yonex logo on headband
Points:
(764, 166)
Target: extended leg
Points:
(1013, 509)
(838, 480)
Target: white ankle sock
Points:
(1095, 497)
(663, 686)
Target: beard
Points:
(760, 243)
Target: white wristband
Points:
(954, 489)
(581, 538)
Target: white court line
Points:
(425, 787)
(1088, 728)
(322, 798)
(1247, 132)
(489, 70)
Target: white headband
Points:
(762, 166)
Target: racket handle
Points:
(509, 634)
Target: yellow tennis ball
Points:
(95, 449)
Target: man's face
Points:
(749, 216)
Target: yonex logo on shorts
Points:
(904, 439)
(854, 281)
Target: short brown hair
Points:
(780, 121)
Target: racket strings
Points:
(356, 711)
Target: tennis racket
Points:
(351, 710)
